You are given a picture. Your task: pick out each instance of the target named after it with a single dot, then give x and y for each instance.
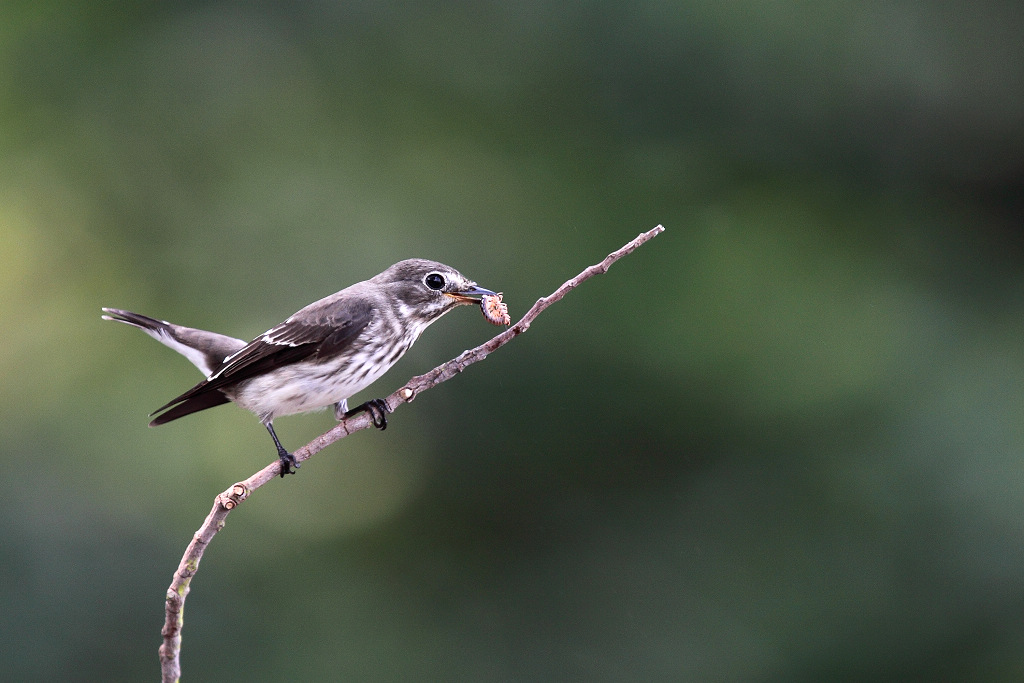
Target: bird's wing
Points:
(318, 331)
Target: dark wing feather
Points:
(193, 405)
(299, 338)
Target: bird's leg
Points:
(340, 408)
(378, 410)
(287, 459)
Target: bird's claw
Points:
(288, 463)
(378, 410)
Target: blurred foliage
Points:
(782, 442)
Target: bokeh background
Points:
(784, 441)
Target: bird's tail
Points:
(206, 350)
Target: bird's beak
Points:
(470, 295)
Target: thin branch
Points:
(226, 501)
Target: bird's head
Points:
(426, 290)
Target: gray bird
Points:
(318, 357)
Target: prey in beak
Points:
(470, 295)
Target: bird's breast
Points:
(312, 385)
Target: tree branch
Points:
(226, 501)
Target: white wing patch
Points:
(277, 336)
(280, 335)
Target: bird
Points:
(319, 356)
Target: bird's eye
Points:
(434, 280)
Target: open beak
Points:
(471, 295)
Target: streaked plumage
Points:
(318, 357)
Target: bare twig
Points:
(228, 500)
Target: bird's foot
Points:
(288, 462)
(378, 410)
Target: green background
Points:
(781, 442)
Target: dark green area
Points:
(784, 441)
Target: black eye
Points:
(434, 280)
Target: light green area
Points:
(781, 442)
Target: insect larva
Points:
(495, 312)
